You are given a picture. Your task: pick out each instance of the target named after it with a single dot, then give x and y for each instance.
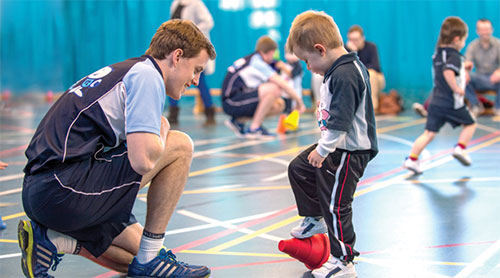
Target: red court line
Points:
(17, 128)
(250, 264)
(9, 152)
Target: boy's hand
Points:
(468, 65)
(315, 159)
(3, 165)
(460, 91)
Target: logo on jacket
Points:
(322, 116)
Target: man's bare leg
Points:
(268, 93)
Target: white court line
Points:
(13, 255)
(11, 177)
(207, 226)
(11, 191)
(479, 261)
(425, 152)
(225, 224)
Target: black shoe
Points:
(173, 115)
(210, 116)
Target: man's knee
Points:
(179, 141)
(269, 88)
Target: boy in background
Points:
(324, 176)
(447, 102)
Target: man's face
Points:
(187, 73)
(314, 60)
(357, 39)
(484, 30)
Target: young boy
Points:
(447, 102)
(324, 177)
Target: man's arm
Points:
(145, 149)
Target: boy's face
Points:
(315, 60)
(187, 73)
(268, 56)
(459, 43)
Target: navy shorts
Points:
(437, 116)
(89, 200)
(242, 103)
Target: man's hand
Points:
(460, 91)
(315, 159)
(351, 46)
(495, 77)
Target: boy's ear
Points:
(320, 48)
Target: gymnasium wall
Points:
(49, 44)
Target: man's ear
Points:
(320, 48)
(176, 56)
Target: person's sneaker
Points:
(420, 109)
(309, 227)
(412, 165)
(38, 253)
(166, 265)
(258, 133)
(335, 268)
(237, 127)
(2, 224)
(462, 156)
(477, 110)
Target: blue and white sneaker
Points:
(165, 265)
(309, 227)
(38, 253)
(335, 268)
(3, 226)
(259, 133)
(237, 127)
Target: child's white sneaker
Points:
(309, 227)
(412, 165)
(335, 268)
(462, 156)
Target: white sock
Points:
(63, 243)
(150, 245)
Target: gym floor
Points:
(238, 204)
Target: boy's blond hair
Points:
(312, 27)
(265, 44)
(452, 27)
(179, 34)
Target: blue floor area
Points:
(238, 205)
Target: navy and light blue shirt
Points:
(248, 73)
(97, 112)
(447, 58)
(345, 113)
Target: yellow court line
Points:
(15, 215)
(8, 240)
(215, 190)
(255, 234)
(402, 125)
(246, 161)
